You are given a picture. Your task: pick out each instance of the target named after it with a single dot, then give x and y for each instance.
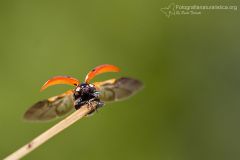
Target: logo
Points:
(169, 10)
(176, 9)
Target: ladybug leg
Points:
(99, 104)
(78, 103)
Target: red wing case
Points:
(99, 70)
(60, 80)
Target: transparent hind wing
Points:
(118, 89)
(51, 108)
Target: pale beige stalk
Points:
(45, 136)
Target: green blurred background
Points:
(188, 110)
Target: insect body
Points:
(83, 93)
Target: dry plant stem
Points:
(84, 110)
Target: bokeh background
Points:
(188, 110)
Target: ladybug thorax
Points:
(84, 91)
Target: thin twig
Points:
(45, 136)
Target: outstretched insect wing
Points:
(114, 90)
(50, 108)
